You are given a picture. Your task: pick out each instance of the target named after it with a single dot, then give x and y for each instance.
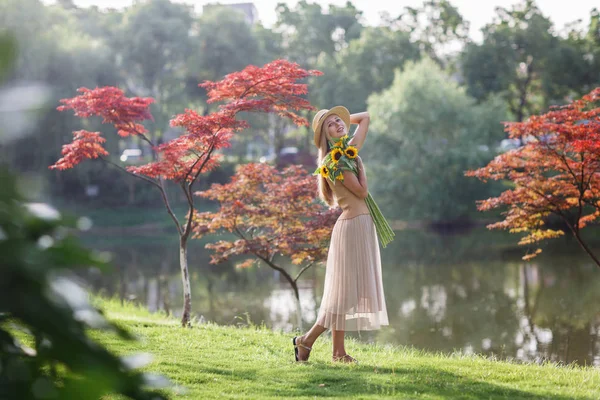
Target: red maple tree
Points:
(555, 172)
(271, 213)
(273, 88)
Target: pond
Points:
(468, 292)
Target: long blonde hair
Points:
(325, 192)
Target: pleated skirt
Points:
(353, 298)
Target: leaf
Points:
(273, 88)
(269, 211)
(553, 173)
(85, 145)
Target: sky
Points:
(477, 12)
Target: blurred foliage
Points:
(365, 66)
(40, 304)
(433, 25)
(524, 60)
(308, 30)
(427, 131)
(164, 49)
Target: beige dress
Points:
(353, 298)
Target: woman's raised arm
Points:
(360, 134)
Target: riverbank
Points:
(151, 221)
(209, 361)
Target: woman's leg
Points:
(308, 339)
(339, 352)
(338, 343)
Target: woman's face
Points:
(335, 127)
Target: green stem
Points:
(385, 233)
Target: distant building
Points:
(249, 10)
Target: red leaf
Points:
(270, 212)
(84, 145)
(554, 172)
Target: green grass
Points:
(213, 362)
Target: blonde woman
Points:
(353, 298)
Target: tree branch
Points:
(169, 210)
(256, 84)
(188, 191)
(581, 191)
(303, 269)
(564, 159)
(277, 268)
(208, 154)
(142, 177)
(158, 184)
(145, 138)
(191, 208)
(583, 245)
(265, 259)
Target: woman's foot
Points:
(345, 358)
(301, 350)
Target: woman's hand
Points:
(359, 163)
(356, 181)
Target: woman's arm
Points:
(357, 184)
(356, 118)
(360, 134)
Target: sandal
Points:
(301, 345)
(347, 358)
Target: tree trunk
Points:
(298, 306)
(185, 277)
(293, 282)
(583, 245)
(164, 287)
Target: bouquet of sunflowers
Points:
(342, 158)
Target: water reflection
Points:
(468, 293)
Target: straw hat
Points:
(320, 117)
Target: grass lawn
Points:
(214, 362)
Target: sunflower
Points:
(336, 154)
(340, 177)
(324, 171)
(341, 141)
(351, 152)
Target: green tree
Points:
(425, 130)
(584, 46)
(223, 43)
(24, 20)
(365, 66)
(525, 61)
(593, 39)
(151, 51)
(307, 30)
(313, 36)
(52, 50)
(434, 26)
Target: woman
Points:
(353, 297)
